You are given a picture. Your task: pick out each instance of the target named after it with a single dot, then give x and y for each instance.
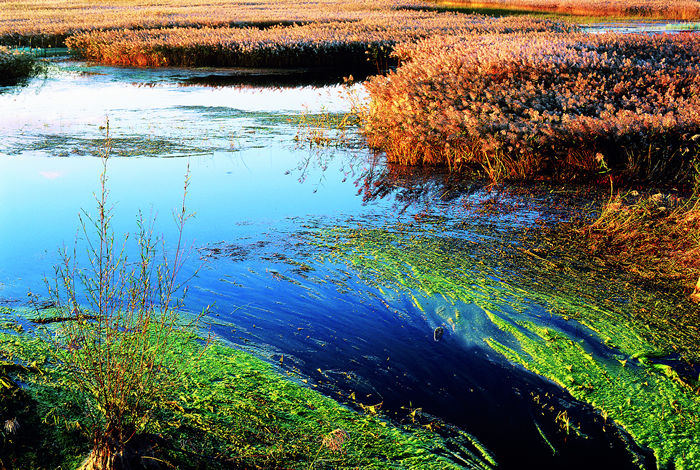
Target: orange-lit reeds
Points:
(42, 23)
(643, 9)
(317, 44)
(530, 105)
(657, 237)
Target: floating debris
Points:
(11, 426)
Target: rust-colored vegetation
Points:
(371, 38)
(258, 33)
(647, 9)
(40, 23)
(657, 237)
(523, 106)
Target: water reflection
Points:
(288, 78)
(654, 27)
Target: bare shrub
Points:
(118, 347)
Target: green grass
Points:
(16, 68)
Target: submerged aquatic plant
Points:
(623, 329)
(231, 410)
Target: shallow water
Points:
(262, 202)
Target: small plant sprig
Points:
(117, 346)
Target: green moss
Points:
(231, 409)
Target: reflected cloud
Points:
(51, 175)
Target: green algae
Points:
(249, 410)
(493, 270)
(535, 299)
(230, 409)
(655, 408)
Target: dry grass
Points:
(648, 9)
(47, 19)
(33, 22)
(656, 237)
(238, 33)
(318, 44)
(556, 105)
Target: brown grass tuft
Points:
(656, 237)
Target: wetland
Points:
(361, 312)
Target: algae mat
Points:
(622, 348)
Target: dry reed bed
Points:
(329, 44)
(49, 22)
(651, 9)
(524, 105)
(656, 237)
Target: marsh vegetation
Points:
(643, 9)
(562, 106)
(500, 226)
(16, 68)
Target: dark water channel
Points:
(261, 196)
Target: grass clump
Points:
(43, 412)
(16, 67)
(657, 237)
(523, 106)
